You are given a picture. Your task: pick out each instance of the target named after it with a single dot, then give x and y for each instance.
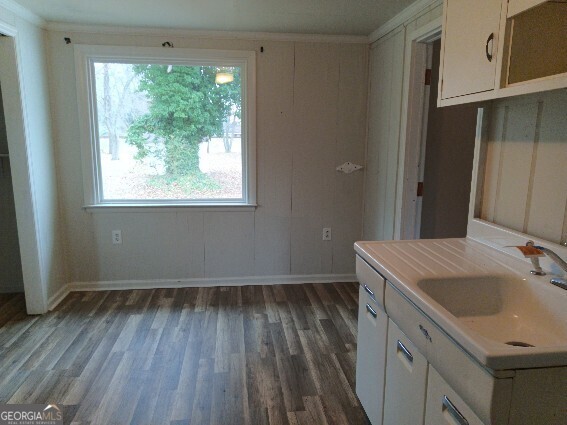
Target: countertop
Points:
(405, 263)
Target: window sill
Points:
(160, 208)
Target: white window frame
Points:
(87, 55)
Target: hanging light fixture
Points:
(224, 76)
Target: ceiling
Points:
(337, 17)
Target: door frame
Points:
(414, 112)
(17, 132)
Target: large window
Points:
(166, 126)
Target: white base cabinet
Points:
(406, 379)
(444, 406)
(371, 356)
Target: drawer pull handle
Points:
(425, 333)
(403, 349)
(367, 289)
(454, 411)
(371, 311)
(488, 40)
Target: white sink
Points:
(484, 300)
(504, 309)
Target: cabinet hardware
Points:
(403, 349)
(367, 289)
(488, 40)
(371, 311)
(425, 333)
(454, 412)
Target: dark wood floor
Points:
(235, 355)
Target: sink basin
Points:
(504, 309)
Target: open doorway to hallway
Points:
(11, 280)
(446, 160)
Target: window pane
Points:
(169, 132)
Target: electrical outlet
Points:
(326, 233)
(117, 237)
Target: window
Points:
(164, 126)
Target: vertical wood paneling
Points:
(384, 117)
(547, 208)
(351, 129)
(515, 165)
(275, 67)
(311, 111)
(383, 135)
(229, 244)
(525, 182)
(316, 84)
(136, 258)
(492, 167)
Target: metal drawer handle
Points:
(371, 311)
(367, 289)
(403, 349)
(454, 411)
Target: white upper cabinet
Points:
(499, 48)
(470, 42)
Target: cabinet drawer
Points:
(488, 397)
(444, 406)
(371, 356)
(370, 280)
(406, 378)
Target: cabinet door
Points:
(406, 379)
(470, 41)
(371, 356)
(444, 406)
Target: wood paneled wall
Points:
(525, 181)
(384, 120)
(311, 103)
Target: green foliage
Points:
(186, 106)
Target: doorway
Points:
(446, 160)
(11, 279)
(437, 147)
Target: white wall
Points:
(32, 161)
(311, 102)
(384, 119)
(525, 182)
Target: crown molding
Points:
(401, 18)
(185, 33)
(23, 13)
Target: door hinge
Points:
(427, 77)
(419, 188)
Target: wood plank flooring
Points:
(282, 354)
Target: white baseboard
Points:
(116, 285)
(56, 298)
